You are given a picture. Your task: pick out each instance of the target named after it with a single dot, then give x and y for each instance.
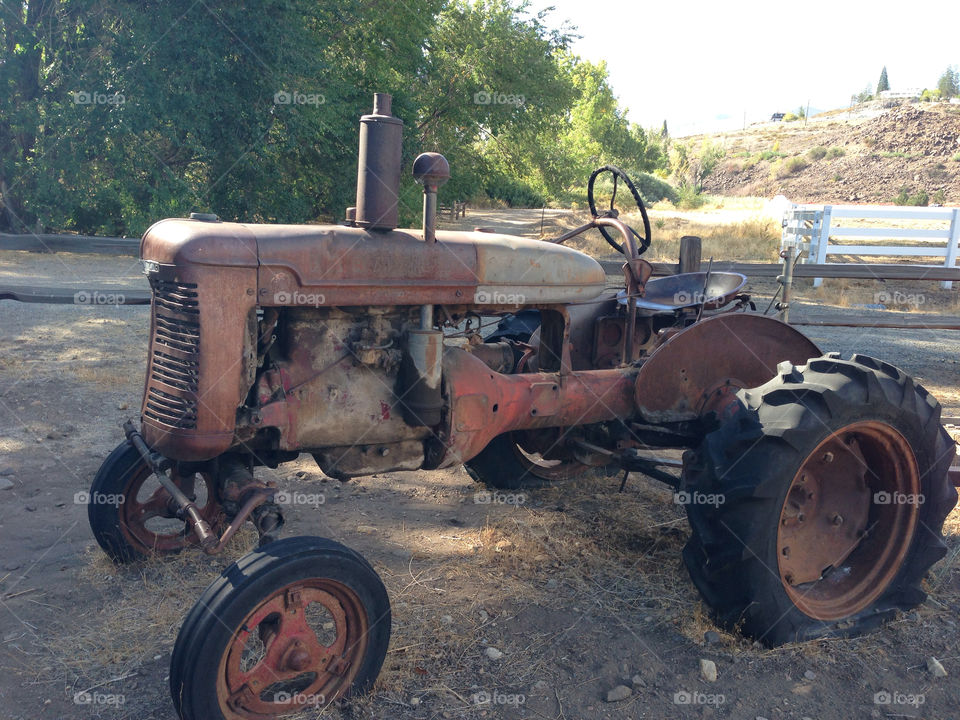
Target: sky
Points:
(703, 66)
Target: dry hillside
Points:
(866, 156)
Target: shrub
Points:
(791, 117)
(652, 189)
(790, 166)
(835, 152)
(919, 198)
(817, 153)
(956, 158)
(688, 198)
(514, 193)
(939, 197)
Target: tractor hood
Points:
(337, 265)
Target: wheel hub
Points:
(847, 520)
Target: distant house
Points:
(898, 97)
(777, 117)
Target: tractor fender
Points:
(697, 368)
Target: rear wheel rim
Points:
(301, 646)
(847, 520)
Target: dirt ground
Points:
(877, 153)
(580, 587)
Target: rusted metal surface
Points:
(483, 404)
(734, 350)
(282, 659)
(199, 336)
(848, 520)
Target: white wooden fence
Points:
(812, 227)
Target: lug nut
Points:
(828, 457)
(837, 519)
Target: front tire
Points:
(817, 508)
(300, 622)
(133, 517)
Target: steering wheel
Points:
(644, 240)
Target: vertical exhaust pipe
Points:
(378, 171)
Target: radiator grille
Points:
(175, 375)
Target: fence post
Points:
(823, 240)
(951, 261)
(690, 246)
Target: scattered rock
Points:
(5, 484)
(810, 675)
(30, 508)
(484, 616)
(540, 686)
(708, 670)
(711, 637)
(935, 667)
(493, 653)
(414, 701)
(122, 406)
(446, 619)
(366, 529)
(620, 692)
(551, 584)
(637, 681)
(502, 545)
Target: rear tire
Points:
(817, 508)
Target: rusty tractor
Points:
(369, 347)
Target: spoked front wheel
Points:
(133, 516)
(298, 623)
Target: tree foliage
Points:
(949, 83)
(116, 114)
(883, 83)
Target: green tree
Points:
(883, 83)
(949, 83)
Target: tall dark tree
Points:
(949, 83)
(883, 83)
